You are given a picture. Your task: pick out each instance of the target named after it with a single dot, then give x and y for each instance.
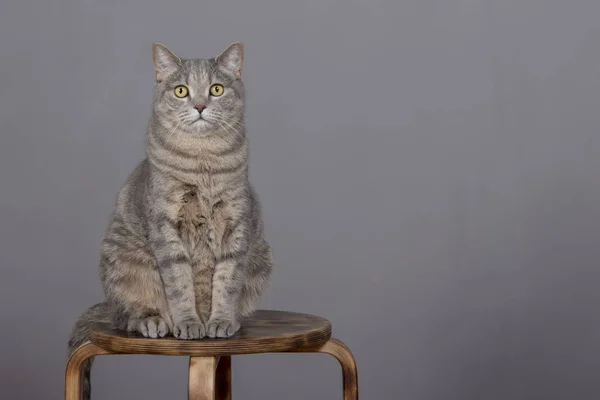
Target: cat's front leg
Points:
(226, 290)
(174, 266)
(203, 266)
(228, 280)
(176, 273)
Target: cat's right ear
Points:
(165, 62)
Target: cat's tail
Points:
(81, 334)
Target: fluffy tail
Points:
(81, 333)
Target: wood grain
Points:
(73, 373)
(224, 378)
(267, 331)
(209, 375)
(201, 378)
(343, 354)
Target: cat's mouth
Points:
(201, 124)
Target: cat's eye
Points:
(216, 90)
(181, 91)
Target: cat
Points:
(184, 253)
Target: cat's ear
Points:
(231, 59)
(165, 62)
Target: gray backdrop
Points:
(429, 172)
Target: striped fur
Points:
(184, 253)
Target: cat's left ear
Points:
(231, 59)
(165, 62)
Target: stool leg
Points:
(73, 376)
(201, 378)
(224, 378)
(343, 354)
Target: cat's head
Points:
(201, 97)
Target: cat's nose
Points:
(200, 107)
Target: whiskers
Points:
(172, 132)
(231, 128)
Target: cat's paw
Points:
(189, 329)
(221, 327)
(152, 327)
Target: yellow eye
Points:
(181, 91)
(216, 90)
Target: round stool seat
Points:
(266, 331)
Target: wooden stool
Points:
(209, 376)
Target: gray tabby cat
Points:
(184, 252)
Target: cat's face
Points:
(199, 97)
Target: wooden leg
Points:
(73, 375)
(343, 354)
(201, 378)
(350, 374)
(224, 378)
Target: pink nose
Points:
(199, 107)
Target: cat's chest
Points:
(200, 217)
(197, 208)
(193, 211)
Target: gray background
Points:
(429, 172)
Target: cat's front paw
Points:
(152, 327)
(189, 329)
(222, 327)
